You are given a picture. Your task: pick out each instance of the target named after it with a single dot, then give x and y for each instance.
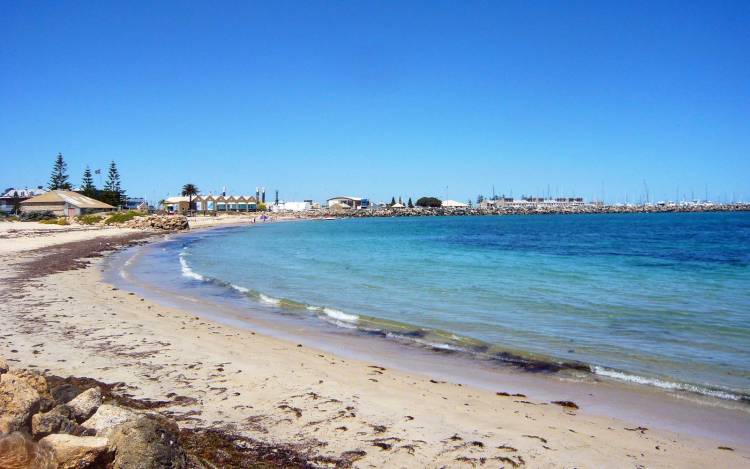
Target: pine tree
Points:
(393, 201)
(59, 178)
(16, 203)
(113, 193)
(410, 205)
(87, 184)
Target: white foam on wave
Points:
(601, 371)
(239, 288)
(269, 300)
(187, 271)
(340, 315)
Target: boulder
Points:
(22, 394)
(58, 420)
(18, 451)
(74, 452)
(107, 417)
(3, 366)
(85, 404)
(149, 442)
(159, 222)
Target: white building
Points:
(348, 202)
(453, 204)
(292, 207)
(7, 199)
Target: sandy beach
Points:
(61, 318)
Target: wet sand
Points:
(65, 320)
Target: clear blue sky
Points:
(381, 98)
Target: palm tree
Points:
(189, 190)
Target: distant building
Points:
(453, 204)
(212, 203)
(136, 203)
(6, 199)
(64, 204)
(348, 202)
(529, 201)
(292, 206)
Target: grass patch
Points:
(122, 217)
(56, 221)
(89, 219)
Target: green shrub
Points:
(89, 219)
(37, 216)
(55, 221)
(429, 202)
(122, 217)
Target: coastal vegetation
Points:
(89, 219)
(37, 216)
(122, 217)
(433, 202)
(55, 221)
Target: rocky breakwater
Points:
(46, 424)
(541, 209)
(159, 223)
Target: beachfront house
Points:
(10, 197)
(348, 202)
(177, 204)
(64, 204)
(212, 204)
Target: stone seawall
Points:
(511, 210)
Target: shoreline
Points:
(272, 389)
(442, 342)
(543, 380)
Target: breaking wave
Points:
(669, 385)
(187, 271)
(269, 300)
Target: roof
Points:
(73, 198)
(356, 199)
(397, 206)
(453, 203)
(24, 192)
(177, 199)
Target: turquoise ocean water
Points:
(662, 299)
